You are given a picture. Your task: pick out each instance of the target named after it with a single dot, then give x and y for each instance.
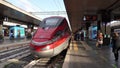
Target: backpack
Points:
(118, 42)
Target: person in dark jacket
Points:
(116, 45)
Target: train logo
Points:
(51, 38)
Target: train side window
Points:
(59, 33)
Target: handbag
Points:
(100, 41)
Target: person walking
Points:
(116, 45)
(99, 40)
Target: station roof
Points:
(12, 12)
(76, 9)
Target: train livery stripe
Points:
(60, 41)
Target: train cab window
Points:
(51, 22)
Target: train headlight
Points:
(46, 48)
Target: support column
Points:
(1, 30)
(88, 24)
(29, 30)
(98, 26)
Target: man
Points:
(116, 45)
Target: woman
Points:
(99, 39)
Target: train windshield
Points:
(51, 22)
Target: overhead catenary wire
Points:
(60, 4)
(49, 13)
(56, 4)
(36, 5)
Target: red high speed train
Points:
(52, 37)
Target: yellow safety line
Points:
(75, 46)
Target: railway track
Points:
(26, 60)
(16, 52)
(54, 62)
(13, 52)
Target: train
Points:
(115, 26)
(16, 32)
(51, 38)
(92, 32)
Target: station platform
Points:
(84, 54)
(10, 42)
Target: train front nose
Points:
(45, 53)
(40, 50)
